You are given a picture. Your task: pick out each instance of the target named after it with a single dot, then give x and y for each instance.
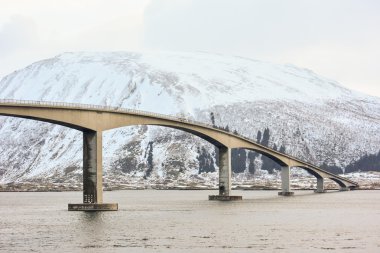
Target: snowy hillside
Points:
(314, 118)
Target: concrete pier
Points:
(285, 182)
(92, 175)
(92, 167)
(320, 185)
(224, 171)
(224, 177)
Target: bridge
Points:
(92, 120)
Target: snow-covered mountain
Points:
(314, 118)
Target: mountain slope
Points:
(315, 118)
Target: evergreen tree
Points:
(265, 165)
(259, 135)
(282, 149)
(365, 163)
(212, 117)
(149, 160)
(266, 136)
(269, 164)
(238, 160)
(205, 160)
(251, 157)
(216, 155)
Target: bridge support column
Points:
(320, 186)
(285, 182)
(92, 175)
(225, 171)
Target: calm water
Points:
(185, 221)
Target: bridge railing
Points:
(122, 110)
(106, 108)
(149, 114)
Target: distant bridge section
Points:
(92, 120)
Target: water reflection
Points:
(91, 229)
(92, 217)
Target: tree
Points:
(259, 135)
(269, 164)
(205, 160)
(212, 117)
(366, 163)
(266, 136)
(251, 157)
(238, 160)
(149, 160)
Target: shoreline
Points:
(180, 189)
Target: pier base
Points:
(224, 197)
(320, 191)
(285, 193)
(92, 207)
(285, 182)
(344, 189)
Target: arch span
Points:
(339, 182)
(310, 171)
(93, 120)
(201, 135)
(56, 121)
(271, 156)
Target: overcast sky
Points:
(339, 39)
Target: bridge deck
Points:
(186, 121)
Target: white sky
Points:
(339, 39)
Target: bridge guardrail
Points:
(150, 114)
(104, 108)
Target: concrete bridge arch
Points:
(93, 120)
